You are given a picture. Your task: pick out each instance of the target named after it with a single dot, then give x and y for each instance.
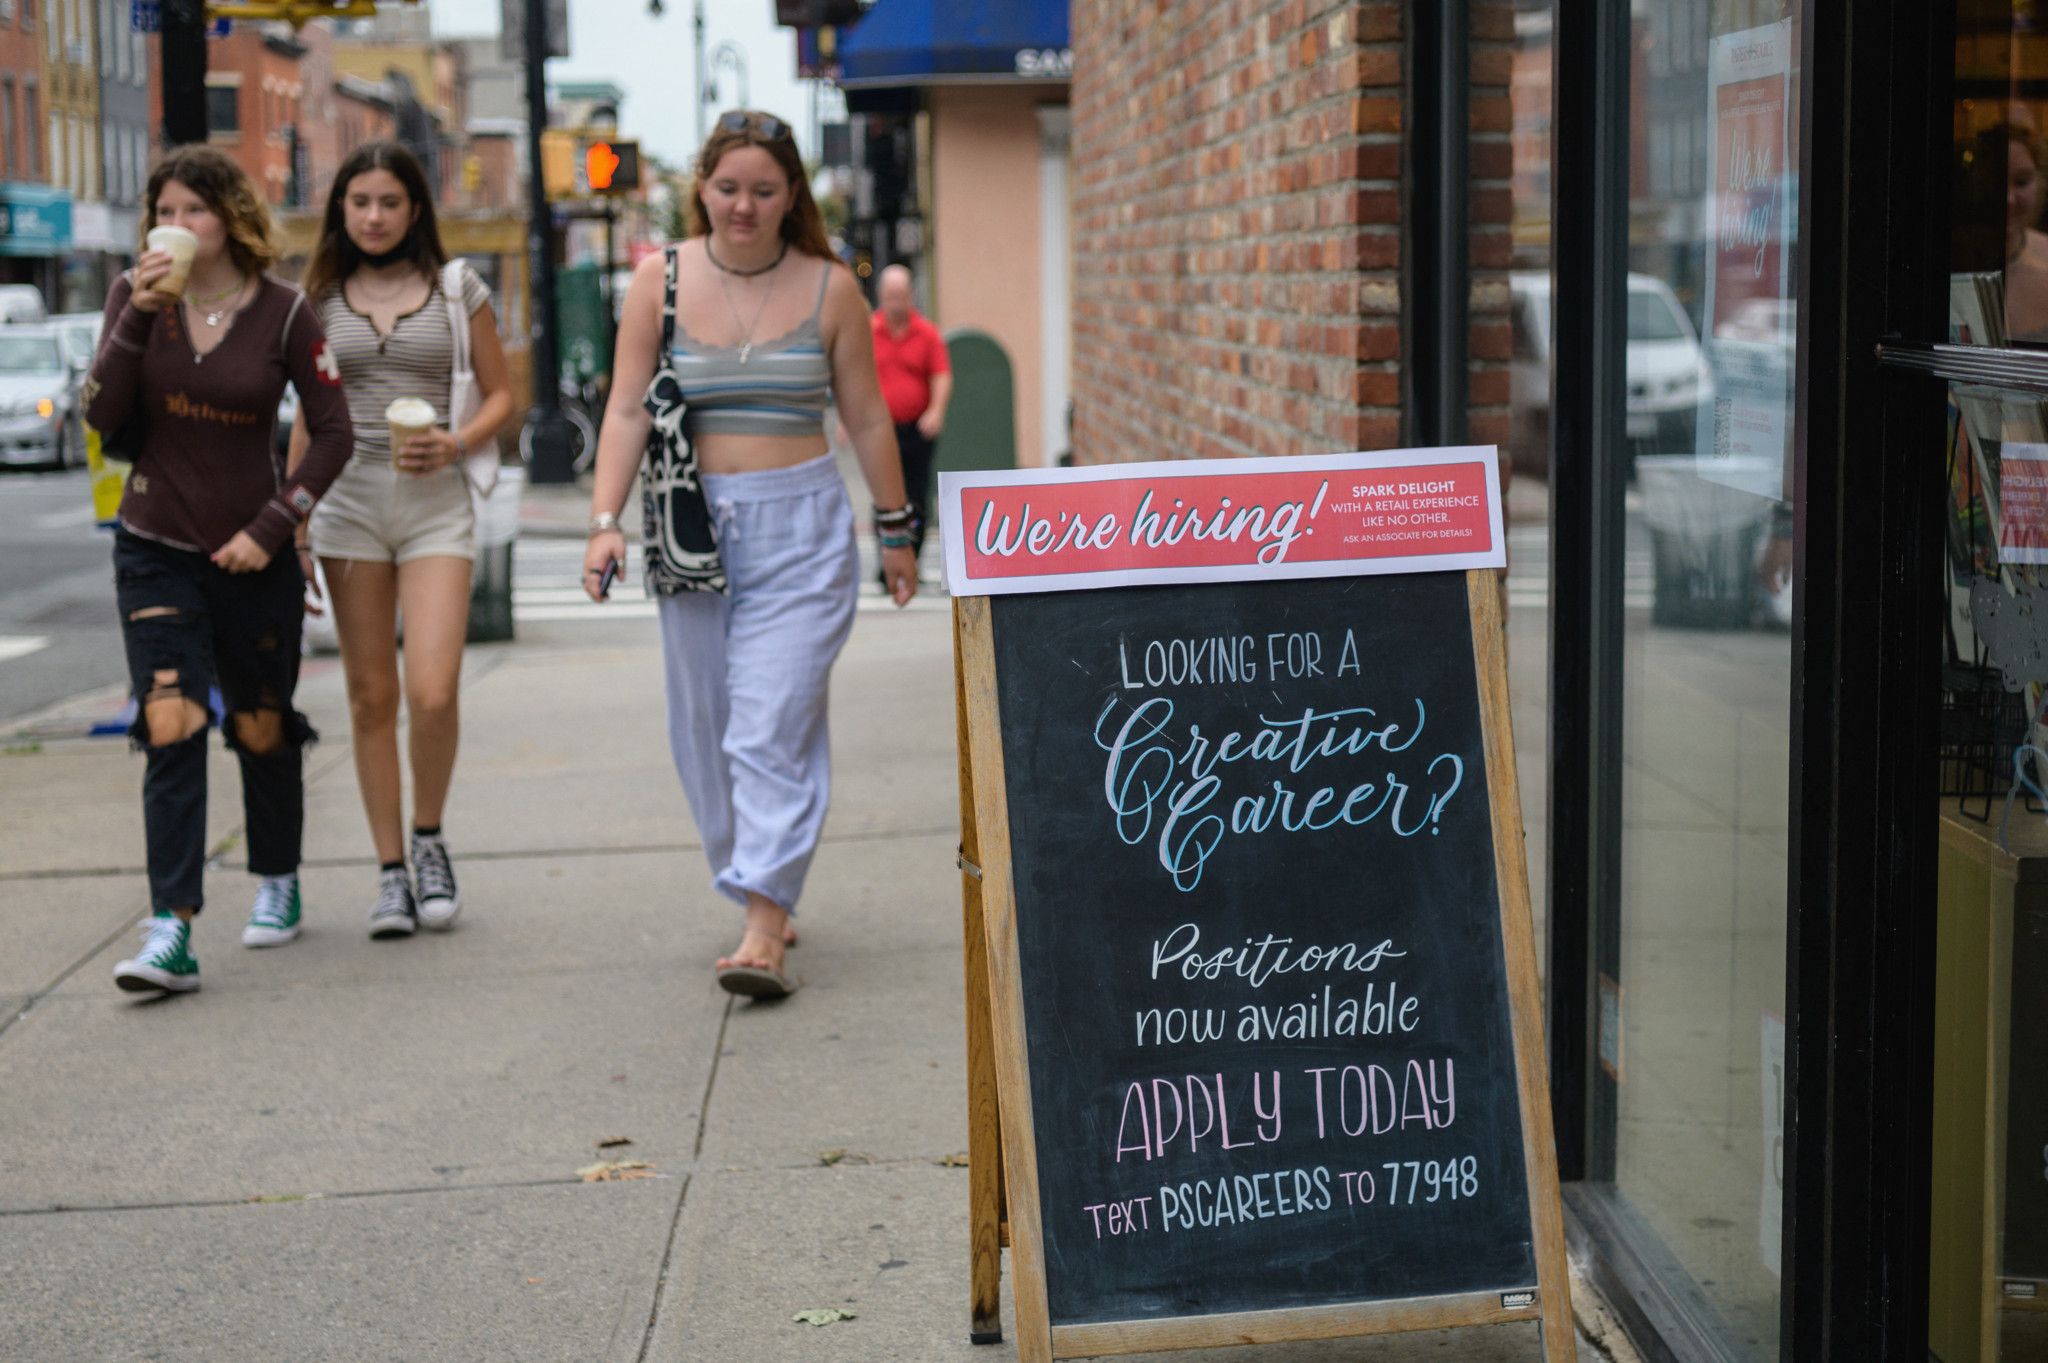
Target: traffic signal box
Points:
(574, 164)
(297, 13)
(611, 167)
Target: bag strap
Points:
(460, 363)
(458, 321)
(668, 301)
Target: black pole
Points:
(611, 304)
(552, 460)
(184, 71)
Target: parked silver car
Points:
(40, 422)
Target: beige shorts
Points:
(374, 512)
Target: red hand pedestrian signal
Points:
(600, 163)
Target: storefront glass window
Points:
(1988, 1261)
(1690, 999)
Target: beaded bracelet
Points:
(900, 516)
(892, 539)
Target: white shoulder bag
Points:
(464, 396)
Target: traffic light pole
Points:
(611, 304)
(552, 458)
(184, 71)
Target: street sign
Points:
(512, 29)
(147, 16)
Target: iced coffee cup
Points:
(180, 245)
(407, 418)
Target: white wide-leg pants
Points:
(748, 672)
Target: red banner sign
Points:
(1221, 520)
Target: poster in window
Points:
(1745, 427)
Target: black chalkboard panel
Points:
(1259, 936)
(2026, 1097)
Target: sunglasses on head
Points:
(761, 125)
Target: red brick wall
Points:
(1491, 249)
(1236, 227)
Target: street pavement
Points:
(350, 1150)
(57, 632)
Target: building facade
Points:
(255, 88)
(37, 232)
(124, 133)
(960, 145)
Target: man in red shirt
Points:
(917, 381)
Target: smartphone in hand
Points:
(606, 578)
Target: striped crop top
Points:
(774, 387)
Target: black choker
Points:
(744, 274)
(403, 251)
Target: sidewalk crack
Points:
(675, 1224)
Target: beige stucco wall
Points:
(984, 230)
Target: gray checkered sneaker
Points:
(438, 901)
(393, 914)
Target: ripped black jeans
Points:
(188, 626)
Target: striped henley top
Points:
(417, 360)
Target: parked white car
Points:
(22, 303)
(1668, 377)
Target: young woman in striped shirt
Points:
(396, 529)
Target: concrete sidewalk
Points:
(350, 1150)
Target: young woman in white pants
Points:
(730, 348)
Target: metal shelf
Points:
(1993, 366)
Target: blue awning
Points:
(940, 42)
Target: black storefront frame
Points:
(1875, 93)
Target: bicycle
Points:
(578, 401)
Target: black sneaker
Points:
(393, 915)
(438, 901)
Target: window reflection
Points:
(1694, 989)
(1988, 1278)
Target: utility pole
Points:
(697, 47)
(184, 71)
(552, 459)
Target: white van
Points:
(22, 303)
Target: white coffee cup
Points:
(407, 418)
(180, 245)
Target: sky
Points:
(650, 58)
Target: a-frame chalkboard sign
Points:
(1254, 1036)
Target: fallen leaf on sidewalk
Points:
(615, 1171)
(534, 1282)
(824, 1316)
(956, 1161)
(828, 1158)
(609, 1141)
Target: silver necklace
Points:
(213, 315)
(747, 338)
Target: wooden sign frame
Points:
(1002, 1151)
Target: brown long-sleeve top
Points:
(207, 464)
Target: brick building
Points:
(255, 90)
(1239, 227)
(21, 93)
